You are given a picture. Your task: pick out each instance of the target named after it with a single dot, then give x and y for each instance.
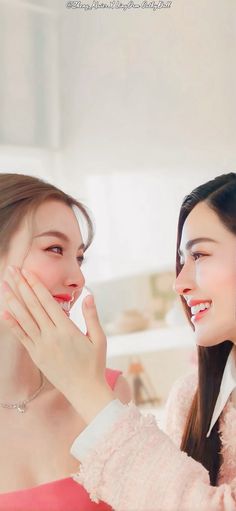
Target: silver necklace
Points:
(20, 406)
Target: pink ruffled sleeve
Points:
(178, 405)
(136, 467)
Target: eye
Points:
(57, 249)
(197, 255)
(80, 260)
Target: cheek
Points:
(225, 284)
(207, 277)
(219, 284)
(47, 276)
(45, 269)
(214, 277)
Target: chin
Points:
(207, 341)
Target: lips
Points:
(199, 315)
(64, 297)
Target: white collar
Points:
(228, 384)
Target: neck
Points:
(19, 376)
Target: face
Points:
(208, 276)
(54, 253)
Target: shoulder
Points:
(119, 385)
(178, 405)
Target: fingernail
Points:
(89, 301)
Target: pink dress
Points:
(61, 495)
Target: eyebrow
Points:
(190, 243)
(57, 234)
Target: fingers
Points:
(30, 299)
(44, 309)
(17, 330)
(51, 307)
(94, 329)
(32, 311)
(8, 277)
(20, 318)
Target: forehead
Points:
(203, 222)
(55, 215)
(50, 215)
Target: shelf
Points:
(150, 341)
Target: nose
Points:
(185, 282)
(75, 278)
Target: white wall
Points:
(147, 91)
(29, 84)
(148, 113)
(136, 218)
(126, 110)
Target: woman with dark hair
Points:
(201, 436)
(126, 460)
(40, 232)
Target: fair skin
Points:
(53, 418)
(209, 274)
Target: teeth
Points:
(200, 307)
(65, 306)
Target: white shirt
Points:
(228, 384)
(97, 428)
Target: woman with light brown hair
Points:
(40, 232)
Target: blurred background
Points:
(128, 111)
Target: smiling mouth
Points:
(199, 315)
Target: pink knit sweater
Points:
(137, 467)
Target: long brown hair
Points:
(220, 195)
(21, 194)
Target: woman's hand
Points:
(73, 362)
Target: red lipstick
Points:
(65, 298)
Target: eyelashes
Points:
(51, 249)
(80, 259)
(195, 255)
(60, 251)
